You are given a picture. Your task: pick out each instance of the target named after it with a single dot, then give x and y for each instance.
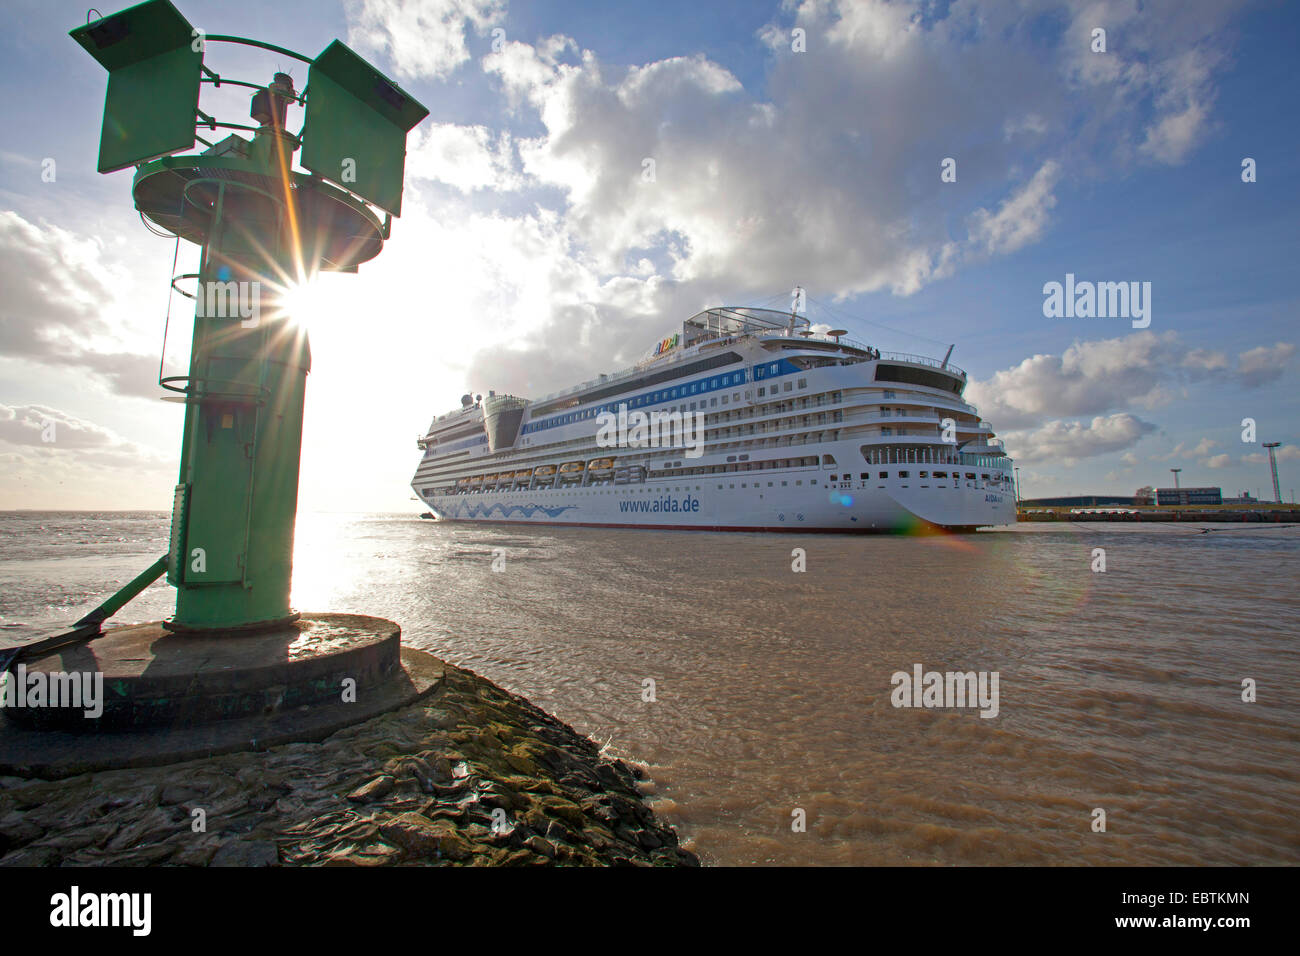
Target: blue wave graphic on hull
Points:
(505, 511)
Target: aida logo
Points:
(668, 343)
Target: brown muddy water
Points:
(1120, 691)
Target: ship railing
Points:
(923, 360)
(931, 455)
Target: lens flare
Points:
(301, 301)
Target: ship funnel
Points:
(502, 415)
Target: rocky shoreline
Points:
(470, 775)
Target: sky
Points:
(591, 174)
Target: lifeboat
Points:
(523, 475)
(544, 471)
(601, 465)
(476, 482)
(572, 469)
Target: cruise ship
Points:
(763, 425)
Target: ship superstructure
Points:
(797, 430)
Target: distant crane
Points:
(1272, 464)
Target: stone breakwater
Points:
(470, 775)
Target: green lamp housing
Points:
(154, 59)
(355, 129)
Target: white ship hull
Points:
(761, 504)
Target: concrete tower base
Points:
(143, 695)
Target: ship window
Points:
(787, 386)
(713, 403)
(903, 474)
(803, 383)
(970, 475)
(724, 399)
(784, 483)
(864, 476)
(798, 482)
(813, 481)
(762, 392)
(923, 474)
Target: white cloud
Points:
(1145, 369)
(1261, 365)
(423, 38)
(1157, 72)
(1062, 442)
(59, 440)
(466, 157)
(1200, 449)
(59, 290)
(1020, 219)
(1182, 103)
(747, 189)
(1285, 453)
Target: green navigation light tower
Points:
(263, 229)
(235, 668)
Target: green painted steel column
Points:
(237, 494)
(263, 228)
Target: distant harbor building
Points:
(1245, 498)
(1185, 496)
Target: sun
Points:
(302, 301)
